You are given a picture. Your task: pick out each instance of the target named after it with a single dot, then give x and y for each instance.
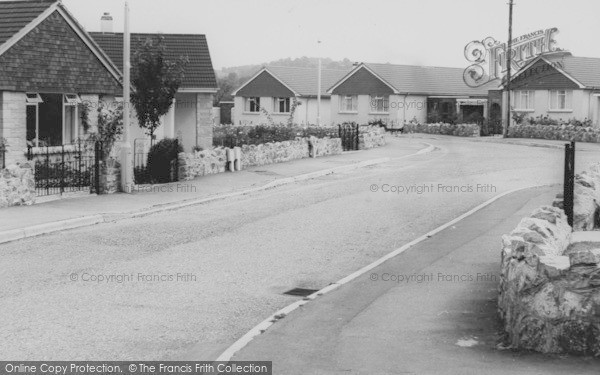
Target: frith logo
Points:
(489, 56)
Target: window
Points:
(32, 101)
(70, 117)
(523, 100)
(560, 100)
(252, 105)
(282, 105)
(379, 104)
(348, 103)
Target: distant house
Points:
(51, 66)
(395, 94)
(190, 118)
(272, 91)
(557, 85)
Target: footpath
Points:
(428, 310)
(26, 221)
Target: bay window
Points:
(52, 119)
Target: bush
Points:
(160, 158)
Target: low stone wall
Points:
(17, 186)
(370, 137)
(549, 294)
(460, 130)
(555, 132)
(276, 152)
(202, 163)
(326, 146)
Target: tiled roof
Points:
(199, 72)
(586, 70)
(15, 15)
(304, 81)
(428, 80)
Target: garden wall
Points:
(549, 297)
(370, 137)
(201, 163)
(17, 186)
(460, 130)
(555, 132)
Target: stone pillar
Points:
(204, 130)
(13, 125)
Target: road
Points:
(185, 284)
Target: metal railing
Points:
(66, 168)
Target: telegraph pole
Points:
(318, 88)
(508, 66)
(126, 162)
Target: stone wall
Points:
(274, 152)
(370, 137)
(201, 163)
(13, 125)
(325, 146)
(460, 130)
(17, 186)
(110, 176)
(549, 294)
(555, 132)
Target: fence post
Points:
(569, 182)
(357, 135)
(97, 161)
(62, 169)
(176, 174)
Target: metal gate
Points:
(491, 127)
(349, 135)
(67, 168)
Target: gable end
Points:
(362, 82)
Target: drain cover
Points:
(301, 292)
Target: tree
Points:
(155, 81)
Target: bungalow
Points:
(558, 86)
(190, 117)
(271, 92)
(51, 66)
(395, 94)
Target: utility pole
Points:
(126, 163)
(508, 66)
(318, 88)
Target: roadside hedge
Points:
(237, 135)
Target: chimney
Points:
(106, 23)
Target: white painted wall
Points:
(185, 120)
(400, 108)
(584, 105)
(306, 112)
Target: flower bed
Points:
(460, 130)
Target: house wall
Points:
(204, 134)
(584, 105)
(13, 125)
(401, 108)
(185, 120)
(306, 113)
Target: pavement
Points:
(26, 221)
(429, 310)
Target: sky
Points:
(420, 32)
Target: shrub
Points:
(160, 158)
(233, 135)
